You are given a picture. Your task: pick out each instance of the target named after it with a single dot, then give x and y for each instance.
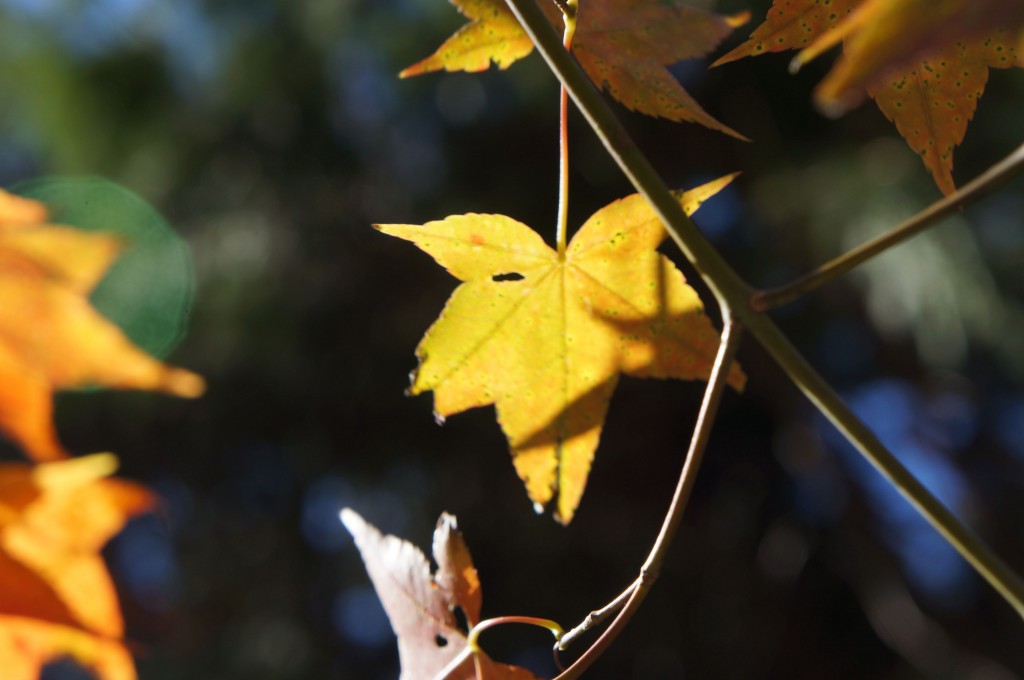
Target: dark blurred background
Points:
(271, 134)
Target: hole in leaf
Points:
(510, 276)
(461, 622)
(440, 641)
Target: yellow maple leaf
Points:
(50, 336)
(545, 337)
(623, 45)
(56, 595)
(492, 34)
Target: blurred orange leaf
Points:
(544, 337)
(56, 596)
(26, 645)
(50, 336)
(421, 606)
(623, 45)
(925, 62)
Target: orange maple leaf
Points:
(924, 62)
(544, 337)
(50, 336)
(886, 36)
(27, 645)
(56, 596)
(623, 45)
(421, 606)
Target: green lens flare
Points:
(148, 292)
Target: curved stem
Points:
(733, 295)
(473, 639)
(569, 17)
(687, 478)
(981, 186)
(472, 647)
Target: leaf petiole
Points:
(473, 639)
(474, 634)
(569, 13)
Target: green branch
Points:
(981, 186)
(733, 294)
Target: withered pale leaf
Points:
(421, 606)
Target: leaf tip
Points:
(75, 472)
(186, 384)
(737, 20)
(352, 520)
(797, 63)
(833, 104)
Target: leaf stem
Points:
(569, 12)
(473, 639)
(564, 7)
(472, 647)
(981, 186)
(629, 601)
(732, 294)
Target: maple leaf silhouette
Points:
(924, 62)
(623, 45)
(544, 338)
(50, 336)
(421, 606)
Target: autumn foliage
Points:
(924, 62)
(51, 338)
(421, 605)
(542, 333)
(624, 45)
(56, 597)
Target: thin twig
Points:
(598, 616)
(698, 445)
(733, 295)
(981, 186)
